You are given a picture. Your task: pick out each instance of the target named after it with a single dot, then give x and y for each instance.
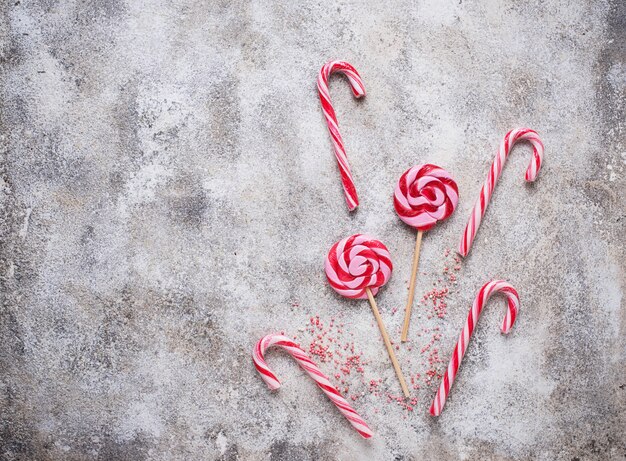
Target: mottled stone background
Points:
(168, 193)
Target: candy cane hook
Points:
(313, 371)
(488, 289)
(512, 137)
(358, 90)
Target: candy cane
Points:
(314, 372)
(358, 90)
(513, 136)
(488, 289)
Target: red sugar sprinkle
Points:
(331, 344)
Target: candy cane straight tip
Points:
(358, 90)
(488, 289)
(510, 139)
(258, 357)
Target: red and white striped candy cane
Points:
(512, 137)
(314, 372)
(488, 289)
(358, 90)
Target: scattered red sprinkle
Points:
(331, 343)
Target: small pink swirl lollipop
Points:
(356, 267)
(425, 194)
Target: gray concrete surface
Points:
(168, 194)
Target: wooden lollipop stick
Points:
(409, 303)
(383, 332)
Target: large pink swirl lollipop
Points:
(425, 194)
(356, 267)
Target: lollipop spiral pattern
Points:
(356, 263)
(424, 195)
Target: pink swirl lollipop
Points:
(356, 267)
(356, 264)
(425, 194)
